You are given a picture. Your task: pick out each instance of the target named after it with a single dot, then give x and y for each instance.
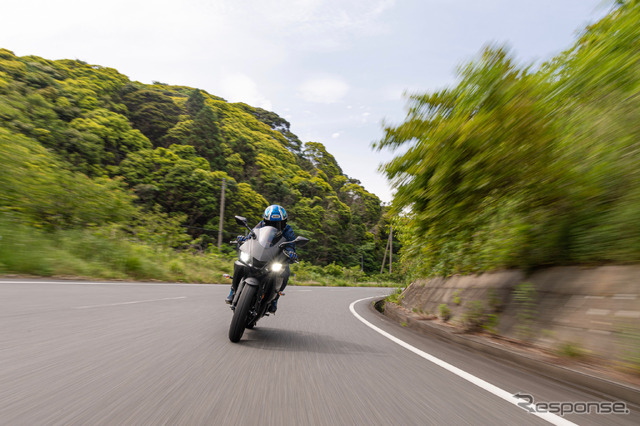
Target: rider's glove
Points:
(241, 239)
(291, 255)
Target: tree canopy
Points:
(92, 147)
(516, 166)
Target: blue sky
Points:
(335, 69)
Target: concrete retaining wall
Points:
(592, 309)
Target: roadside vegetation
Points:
(104, 177)
(102, 253)
(117, 253)
(525, 166)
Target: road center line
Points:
(129, 303)
(551, 418)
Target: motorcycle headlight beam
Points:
(244, 256)
(276, 267)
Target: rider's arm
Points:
(289, 235)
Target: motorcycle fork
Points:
(259, 299)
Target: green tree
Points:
(152, 112)
(515, 167)
(34, 185)
(195, 103)
(206, 138)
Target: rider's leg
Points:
(237, 276)
(285, 280)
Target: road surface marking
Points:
(105, 283)
(551, 418)
(130, 303)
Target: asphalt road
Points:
(76, 353)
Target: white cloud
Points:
(241, 88)
(336, 135)
(309, 24)
(325, 90)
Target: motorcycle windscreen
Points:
(266, 236)
(264, 247)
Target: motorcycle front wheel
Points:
(241, 313)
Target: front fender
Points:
(252, 281)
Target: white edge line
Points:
(129, 303)
(549, 417)
(112, 283)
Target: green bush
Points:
(456, 297)
(571, 350)
(474, 318)
(395, 297)
(444, 312)
(334, 270)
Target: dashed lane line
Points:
(133, 302)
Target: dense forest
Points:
(525, 167)
(84, 147)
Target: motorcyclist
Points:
(275, 216)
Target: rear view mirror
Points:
(242, 221)
(300, 241)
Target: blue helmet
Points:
(275, 216)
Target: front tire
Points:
(240, 314)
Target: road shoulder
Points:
(598, 378)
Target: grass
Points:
(97, 255)
(474, 317)
(571, 350)
(108, 254)
(395, 297)
(631, 343)
(444, 312)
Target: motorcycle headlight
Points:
(276, 267)
(244, 256)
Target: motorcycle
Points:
(263, 259)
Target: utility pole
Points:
(384, 259)
(390, 248)
(224, 183)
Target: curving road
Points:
(78, 353)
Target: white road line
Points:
(551, 418)
(105, 283)
(129, 303)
